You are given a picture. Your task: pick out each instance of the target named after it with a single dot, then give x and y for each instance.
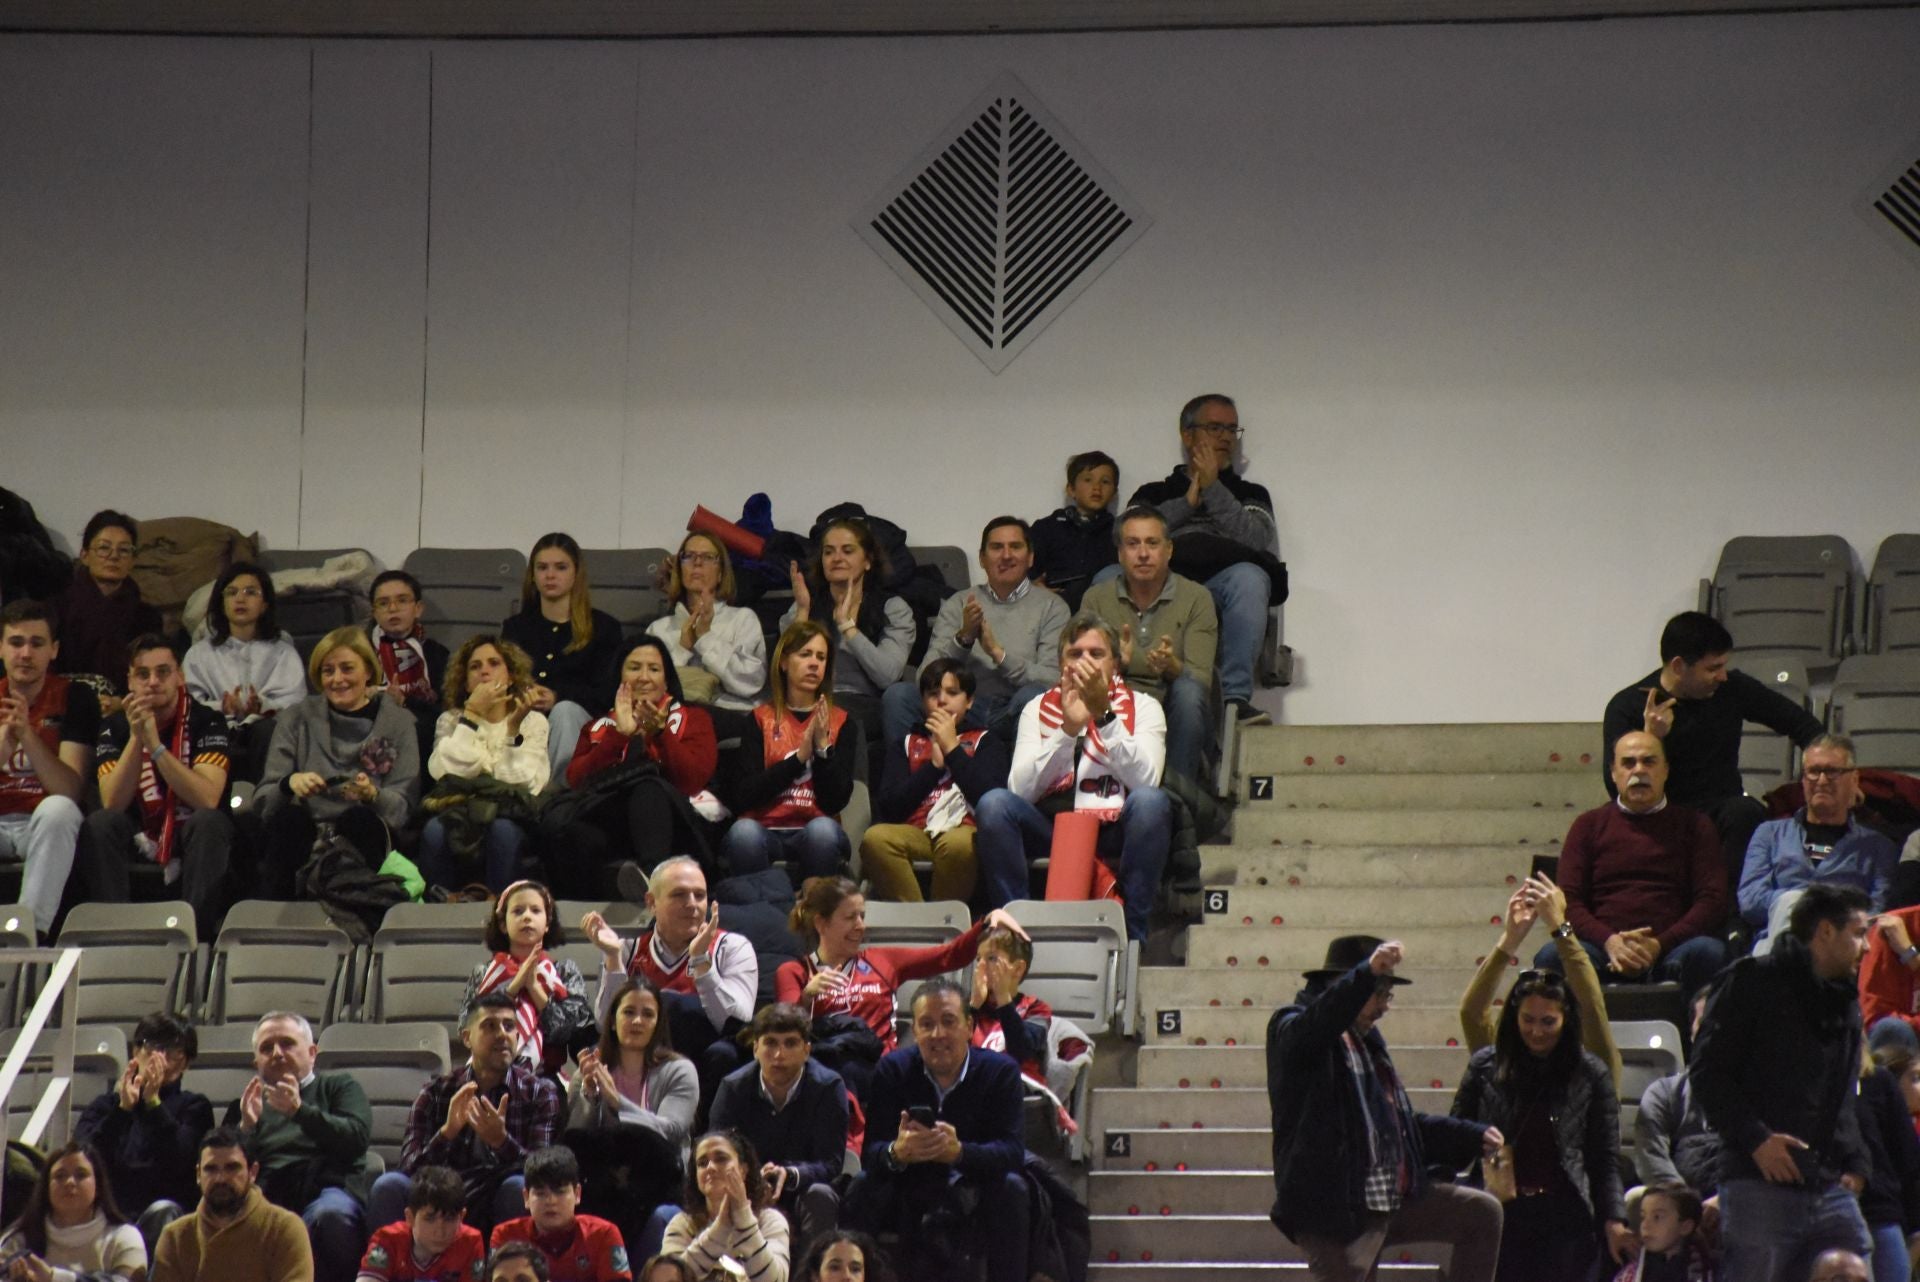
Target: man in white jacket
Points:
(1093, 745)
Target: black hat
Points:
(1347, 951)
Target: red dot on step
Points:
(1214, 1002)
(1512, 880)
(1495, 920)
(1499, 1001)
(1586, 758)
(1263, 961)
(1166, 1210)
(1293, 881)
(1231, 1042)
(1479, 961)
(1436, 1083)
(1215, 1084)
(1199, 1041)
(1146, 1257)
(1553, 756)
(1339, 761)
(1406, 1257)
(1153, 1166)
(1246, 921)
(1199, 1126)
(1133, 1210)
(1179, 1166)
(1308, 760)
(1184, 1083)
(1113, 1257)
(1278, 920)
(1513, 961)
(1233, 961)
(1453, 1041)
(1246, 1001)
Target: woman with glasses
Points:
(1555, 1104)
(716, 646)
(101, 611)
(244, 668)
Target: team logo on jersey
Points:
(618, 1259)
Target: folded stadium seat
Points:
(422, 957)
(17, 930)
(280, 956)
(1649, 1003)
(924, 925)
(1876, 703)
(1649, 1050)
(135, 959)
(1893, 597)
(438, 923)
(467, 590)
(626, 919)
(99, 1055)
(223, 1066)
(626, 584)
(1766, 758)
(1080, 958)
(391, 1062)
(308, 614)
(955, 566)
(1785, 593)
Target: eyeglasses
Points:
(1543, 978)
(1827, 772)
(240, 591)
(111, 551)
(1222, 429)
(699, 558)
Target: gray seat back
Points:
(392, 1063)
(955, 566)
(1786, 593)
(1876, 703)
(1079, 949)
(466, 590)
(1766, 758)
(626, 584)
(306, 616)
(1893, 597)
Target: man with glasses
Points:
(413, 663)
(1821, 841)
(1644, 879)
(1224, 536)
(147, 1127)
(162, 766)
(100, 611)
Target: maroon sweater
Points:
(1663, 871)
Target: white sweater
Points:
(465, 752)
(1044, 757)
(271, 667)
(733, 650)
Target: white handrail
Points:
(61, 982)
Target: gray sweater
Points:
(1027, 628)
(312, 736)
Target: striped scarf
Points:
(500, 973)
(1094, 788)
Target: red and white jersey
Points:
(1100, 764)
(780, 737)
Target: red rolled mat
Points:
(731, 536)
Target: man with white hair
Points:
(309, 1132)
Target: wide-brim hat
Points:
(1347, 951)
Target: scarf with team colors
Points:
(500, 973)
(404, 660)
(1091, 763)
(156, 794)
(944, 808)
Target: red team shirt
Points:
(593, 1252)
(390, 1257)
(873, 977)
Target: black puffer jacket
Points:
(1586, 1124)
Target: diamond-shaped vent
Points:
(1894, 209)
(1001, 223)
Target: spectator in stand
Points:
(244, 668)
(729, 1230)
(1168, 634)
(655, 813)
(100, 612)
(490, 757)
(1840, 1266)
(1890, 981)
(307, 1131)
(412, 664)
(342, 748)
(549, 993)
(235, 1234)
(1094, 745)
(793, 772)
(1076, 542)
(630, 1115)
(934, 778)
(1775, 1067)
(794, 1110)
(1538, 898)
(1671, 1243)
(517, 1262)
(147, 1129)
(162, 766)
(1696, 706)
(1557, 1105)
(708, 977)
(1644, 879)
(577, 1247)
(845, 1255)
(1822, 841)
(434, 1243)
(1672, 1143)
(1226, 537)
(841, 976)
(481, 1120)
(71, 1229)
(944, 1143)
(48, 726)
(1891, 1201)
(575, 647)
(666, 1268)
(873, 628)
(716, 645)
(1002, 632)
(1005, 1019)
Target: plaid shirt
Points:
(533, 1119)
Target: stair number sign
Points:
(1169, 1022)
(1259, 787)
(1213, 900)
(1119, 1144)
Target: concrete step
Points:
(1219, 1067)
(1104, 1270)
(1413, 864)
(1260, 825)
(1208, 1149)
(1247, 1025)
(1572, 747)
(1387, 909)
(1212, 1237)
(1149, 1193)
(1349, 790)
(1121, 1108)
(1164, 987)
(1289, 950)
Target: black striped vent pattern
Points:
(1900, 204)
(1003, 226)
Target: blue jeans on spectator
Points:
(1188, 731)
(1773, 1232)
(1013, 832)
(387, 1202)
(565, 720)
(337, 1227)
(1240, 595)
(820, 849)
(1690, 965)
(499, 862)
(901, 712)
(1890, 1262)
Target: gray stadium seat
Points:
(16, 931)
(955, 566)
(1079, 957)
(1649, 1050)
(1766, 758)
(307, 616)
(626, 584)
(391, 1062)
(627, 920)
(136, 958)
(99, 1055)
(280, 956)
(1785, 593)
(923, 925)
(437, 923)
(1893, 597)
(467, 590)
(419, 983)
(223, 1066)
(1876, 703)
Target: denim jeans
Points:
(337, 1228)
(1690, 965)
(1188, 731)
(818, 850)
(1890, 1254)
(1773, 1232)
(499, 862)
(1240, 595)
(1013, 832)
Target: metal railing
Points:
(52, 1116)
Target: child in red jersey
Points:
(578, 1248)
(1004, 1018)
(433, 1243)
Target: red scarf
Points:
(500, 973)
(404, 660)
(156, 795)
(1090, 759)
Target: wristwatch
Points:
(1909, 954)
(1563, 931)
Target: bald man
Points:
(1840, 1266)
(1646, 885)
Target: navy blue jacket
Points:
(984, 1109)
(809, 1134)
(1319, 1121)
(149, 1152)
(1069, 549)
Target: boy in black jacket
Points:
(1076, 542)
(933, 780)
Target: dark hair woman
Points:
(71, 1227)
(727, 1215)
(244, 668)
(574, 647)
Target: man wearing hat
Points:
(1349, 1153)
